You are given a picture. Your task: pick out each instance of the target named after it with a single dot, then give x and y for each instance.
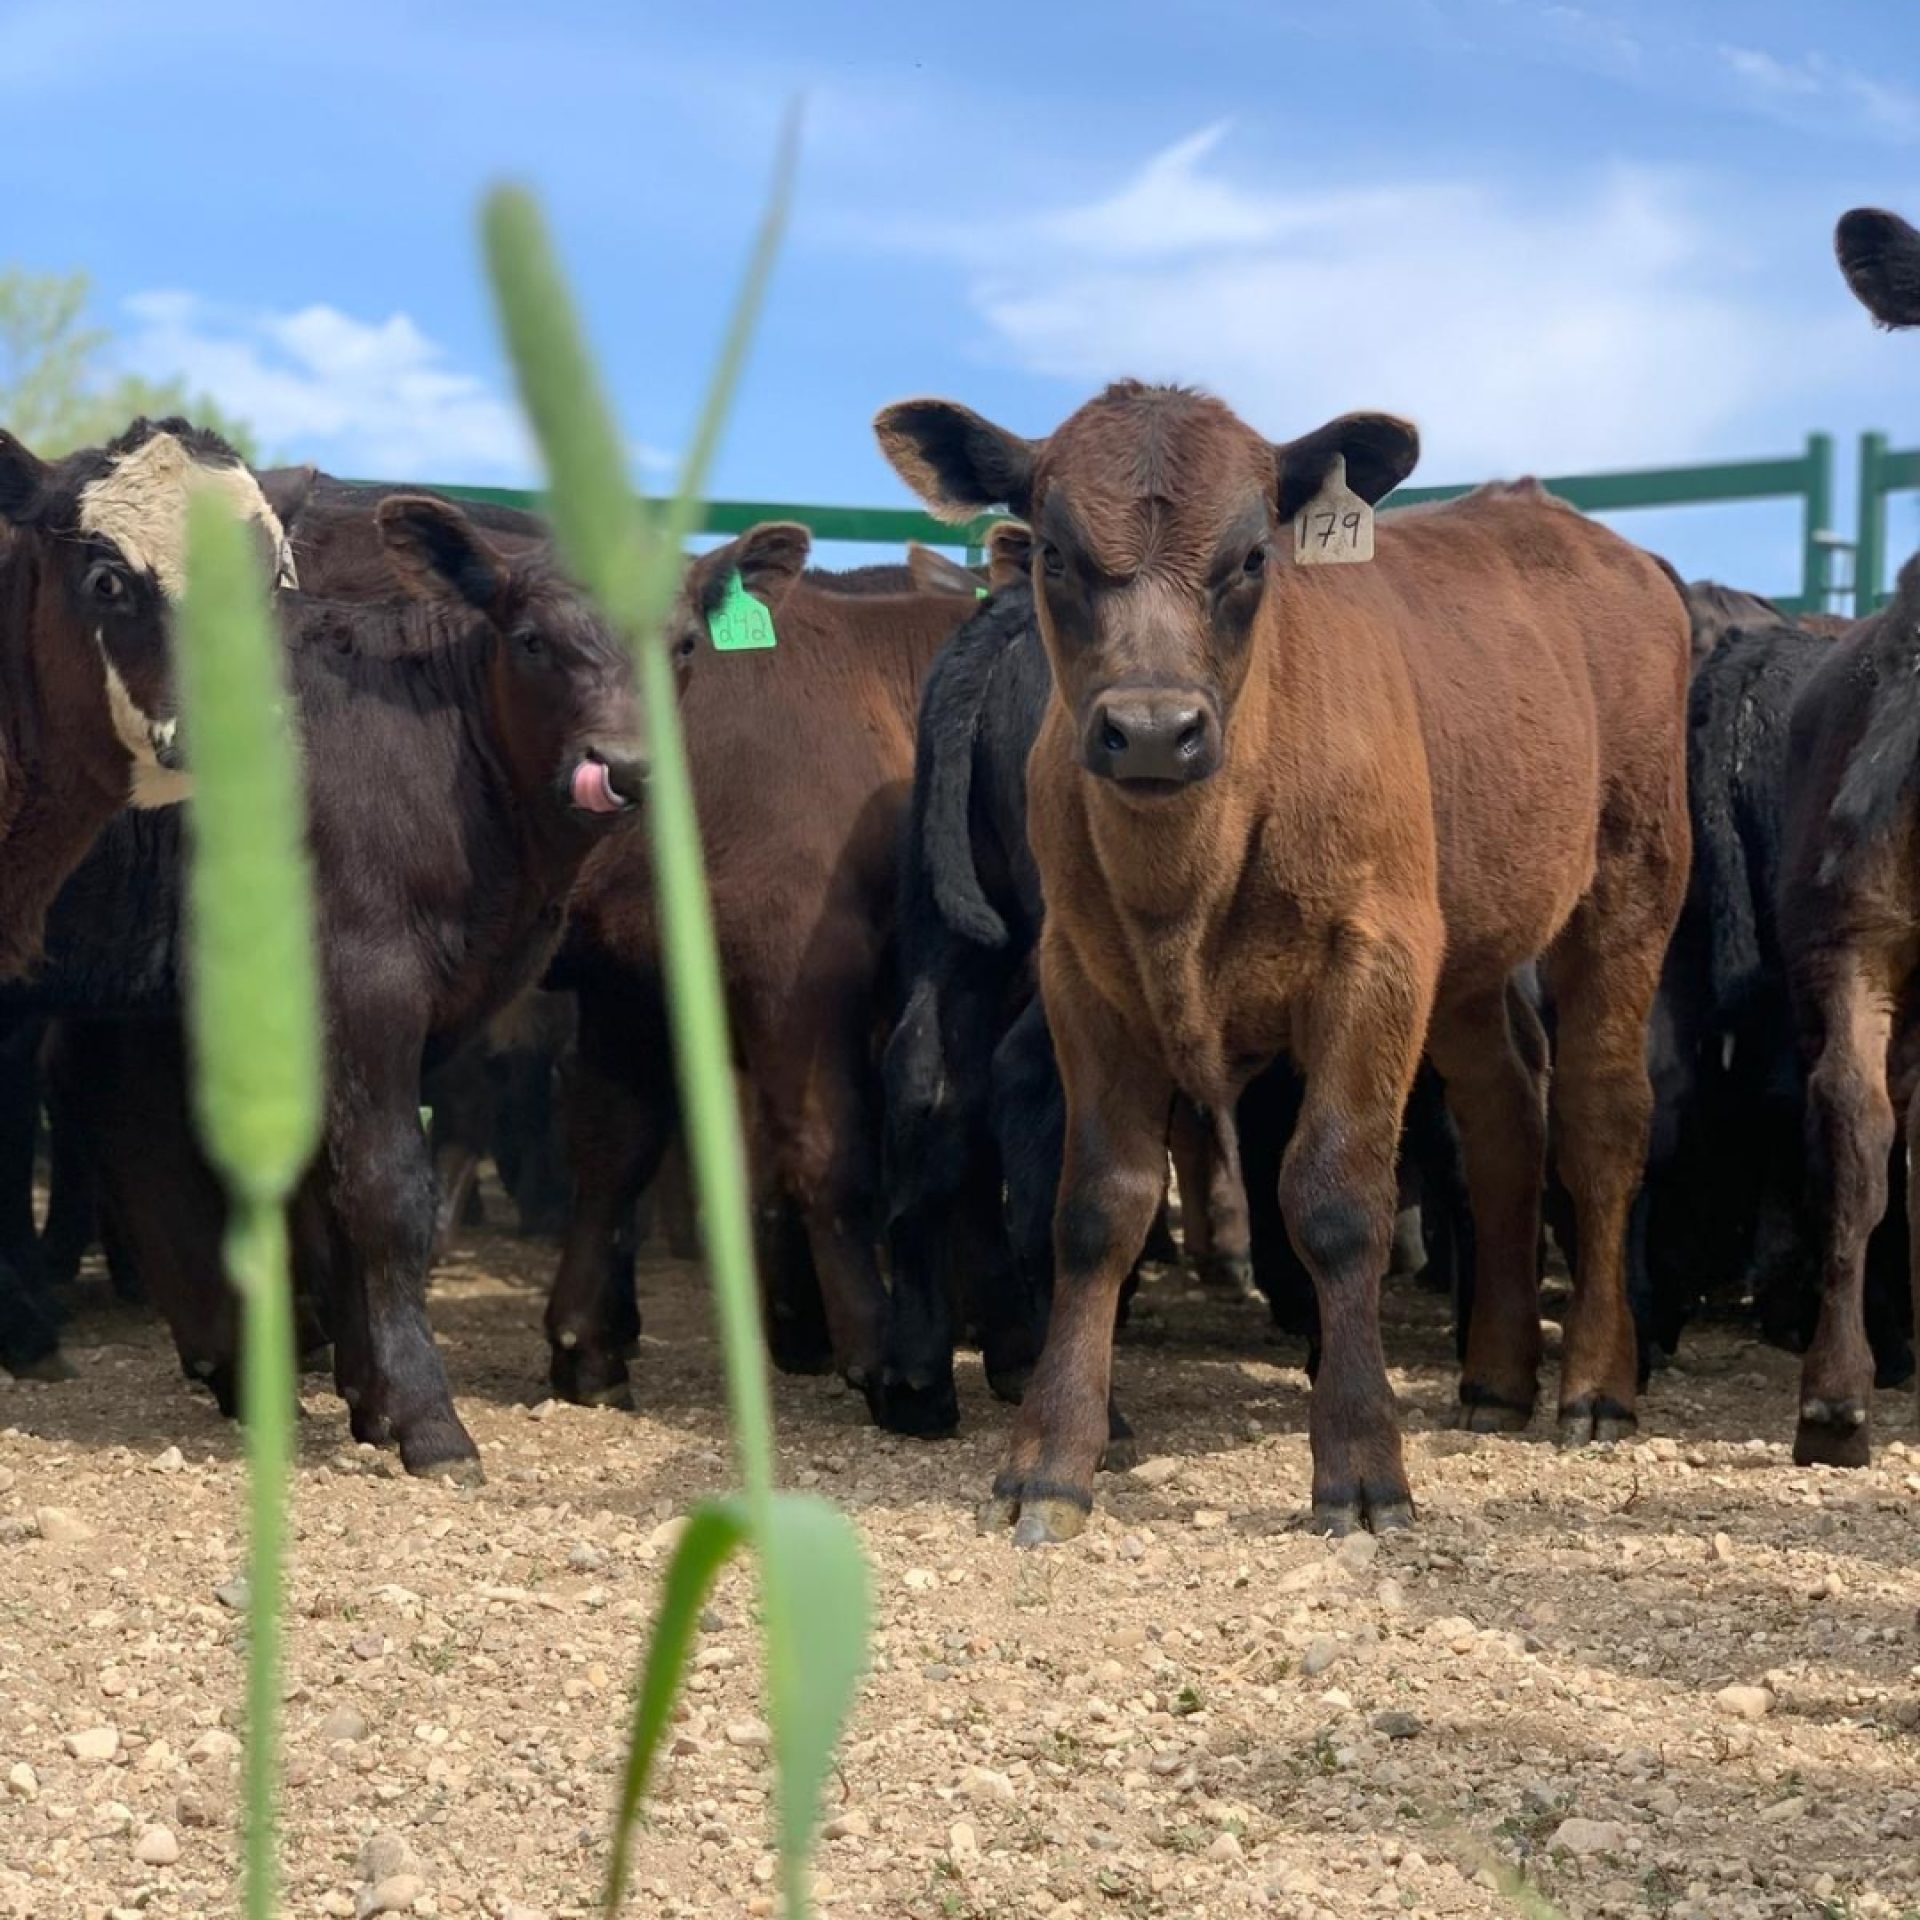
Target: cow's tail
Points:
(946, 829)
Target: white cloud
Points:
(1612, 326)
(370, 398)
(1817, 91)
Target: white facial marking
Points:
(140, 504)
(151, 784)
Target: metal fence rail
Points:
(1806, 476)
(1883, 470)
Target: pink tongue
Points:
(593, 790)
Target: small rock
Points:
(748, 1733)
(22, 1782)
(337, 1905)
(393, 1895)
(983, 1783)
(1391, 1595)
(58, 1528)
(1720, 1547)
(1319, 1657)
(344, 1723)
(1397, 1725)
(1581, 1837)
(1209, 1519)
(171, 1461)
(157, 1848)
(1744, 1703)
(387, 1856)
(369, 1646)
(215, 1744)
(192, 1811)
(962, 1842)
(586, 1558)
(852, 1825)
(232, 1594)
(919, 1580)
(1357, 1552)
(95, 1747)
(514, 1911)
(1663, 1803)
(1226, 1846)
(1790, 1808)
(1157, 1471)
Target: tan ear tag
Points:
(1335, 526)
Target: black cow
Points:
(466, 750)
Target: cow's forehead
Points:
(140, 504)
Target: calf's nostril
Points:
(1112, 738)
(1191, 738)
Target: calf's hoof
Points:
(797, 1350)
(1486, 1410)
(369, 1429)
(584, 1378)
(1891, 1370)
(1008, 1380)
(442, 1449)
(1122, 1453)
(1042, 1513)
(923, 1406)
(1230, 1275)
(1832, 1433)
(1380, 1506)
(1594, 1420)
(317, 1360)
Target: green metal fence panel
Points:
(1806, 476)
(1883, 470)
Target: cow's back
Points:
(1548, 659)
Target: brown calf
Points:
(802, 760)
(1850, 920)
(1282, 808)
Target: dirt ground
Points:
(1197, 1709)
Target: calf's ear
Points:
(286, 489)
(1009, 553)
(769, 558)
(1380, 449)
(22, 475)
(437, 552)
(1880, 255)
(958, 463)
(933, 572)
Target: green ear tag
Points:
(740, 622)
(980, 593)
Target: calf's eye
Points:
(531, 642)
(1053, 560)
(105, 583)
(1255, 564)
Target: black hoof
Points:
(1832, 1433)
(922, 1409)
(1042, 1513)
(1482, 1410)
(1383, 1506)
(1596, 1419)
(588, 1379)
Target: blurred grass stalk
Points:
(813, 1578)
(254, 1018)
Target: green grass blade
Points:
(816, 1598)
(252, 987)
(714, 1532)
(253, 1016)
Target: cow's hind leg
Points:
(620, 1117)
(1603, 971)
(1850, 1131)
(1496, 1092)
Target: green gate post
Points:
(1870, 550)
(1815, 560)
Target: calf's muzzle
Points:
(1153, 738)
(609, 778)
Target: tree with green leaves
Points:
(58, 389)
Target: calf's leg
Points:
(1213, 1198)
(620, 1116)
(1360, 1049)
(1850, 1130)
(1498, 1100)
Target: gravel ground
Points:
(1675, 1677)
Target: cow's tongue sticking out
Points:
(593, 788)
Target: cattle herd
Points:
(1415, 887)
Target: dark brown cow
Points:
(92, 552)
(91, 559)
(1850, 920)
(802, 761)
(1287, 808)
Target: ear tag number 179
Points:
(1335, 527)
(740, 622)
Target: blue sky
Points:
(1560, 237)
